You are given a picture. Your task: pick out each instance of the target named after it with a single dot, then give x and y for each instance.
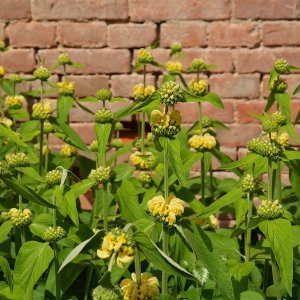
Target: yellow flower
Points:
(41, 111)
(140, 92)
(145, 56)
(174, 67)
(199, 87)
(148, 288)
(66, 87)
(282, 138)
(6, 121)
(202, 142)
(157, 206)
(144, 161)
(125, 256)
(14, 102)
(68, 150)
(2, 71)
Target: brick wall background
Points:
(243, 37)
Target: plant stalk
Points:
(276, 277)
(46, 154)
(270, 180)
(89, 277)
(278, 182)
(57, 275)
(266, 276)
(248, 230)
(143, 115)
(41, 148)
(105, 207)
(137, 265)
(22, 229)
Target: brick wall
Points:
(243, 37)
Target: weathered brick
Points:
(235, 86)
(94, 60)
(20, 60)
(83, 35)
(189, 33)
(2, 33)
(15, 9)
(34, 34)
(190, 112)
(246, 107)
(281, 34)
(88, 85)
(131, 35)
(79, 9)
(264, 9)
(261, 60)
(179, 9)
(238, 135)
(292, 80)
(223, 34)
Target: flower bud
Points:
(264, 148)
(53, 177)
(270, 210)
(281, 66)
(42, 73)
(170, 93)
(14, 102)
(202, 142)
(145, 178)
(176, 47)
(145, 56)
(119, 126)
(15, 78)
(174, 67)
(198, 64)
(146, 161)
(206, 122)
(6, 121)
(68, 150)
(4, 216)
(117, 143)
(104, 116)
(48, 128)
(64, 59)
(103, 293)
(93, 146)
(140, 93)
(20, 218)
(104, 95)
(41, 111)
(2, 71)
(249, 184)
(282, 138)
(54, 234)
(102, 175)
(4, 168)
(15, 160)
(66, 87)
(278, 85)
(199, 88)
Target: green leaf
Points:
(76, 251)
(209, 256)
(297, 90)
(32, 261)
(4, 266)
(70, 202)
(251, 295)
(291, 155)
(7, 86)
(82, 187)
(157, 257)
(26, 192)
(284, 101)
(103, 134)
(5, 229)
(225, 200)
(271, 100)
(128, 201)
(31, 172)
(11, 135)
(172, 148)
(18, 114)
(89, 99)
(118, 99)
(250, 158)
(64, 105)
(214, 99)
(279, 234)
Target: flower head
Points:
(68, 150)
(282, 138)
(53, 177)
(14, 102)
(170, 93)
(15, 160)
(64, 59)
(102, 175)
(41, 111)
(145, 56)
(104, 116)
(20, 218)
(48, 127)
(198, 64)
(250, 184)
(42, 73)
(94, 146)
(264, 148)
(104, 95)
(144, 161)
(54, 234)
(2, 71)
(6, 121)
(140, 93)
(15, 78)
(202, 142)
(174, 67)
(281, 66)
(199, 87)
(270, 210)
(66, 87)
(176, 48)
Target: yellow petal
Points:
(156, 117)
(176, 116)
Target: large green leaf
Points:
(210, 257)
(214, 99)
(82, 187)
(103, 133)
(4, 266)
(251, 295)
(31, 172)
(26, 192)
(250, 158)
(5, 229)
(225, 200)
(7, 86)
(32, 261)
(11, 135)
(128, 201)
(172, 148)
(157, 257)
(279, 234)
(64, 105)
(70, 202)
(284, 101)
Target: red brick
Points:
(223, 34)
(83, 35)
(2, 33)
(179, 9)
(235, 86)
(264, 9)
(238, 135)
(122, 85)
(188, 33)
(79, 9)
(131, 35)
(95, 60)
(15, 9)
(281, 34)
(244, 108)
(292, 80)
(261, 60)
(88, 85)
(21, 60)
(33, 34)
(190, 112)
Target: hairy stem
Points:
(137, 265)
(46, 154)
(270, 179)
(105, 207)
(248, 230)
(278, 181)
(41, 148)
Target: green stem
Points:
(46, 154)
(248, 230)
(89, 277)
(202, 180)
(143, 132)
(65, 72)
(211, 186)
(200, 117)
(111, 262)
(278, 179)
(41, 148)
(270, 180)
(54, 215)
(20, 197)
(42, 91)
(137, 265)
(276, 277)
(57, 275)
(266, 276)
(94, 210)
(105, 207)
